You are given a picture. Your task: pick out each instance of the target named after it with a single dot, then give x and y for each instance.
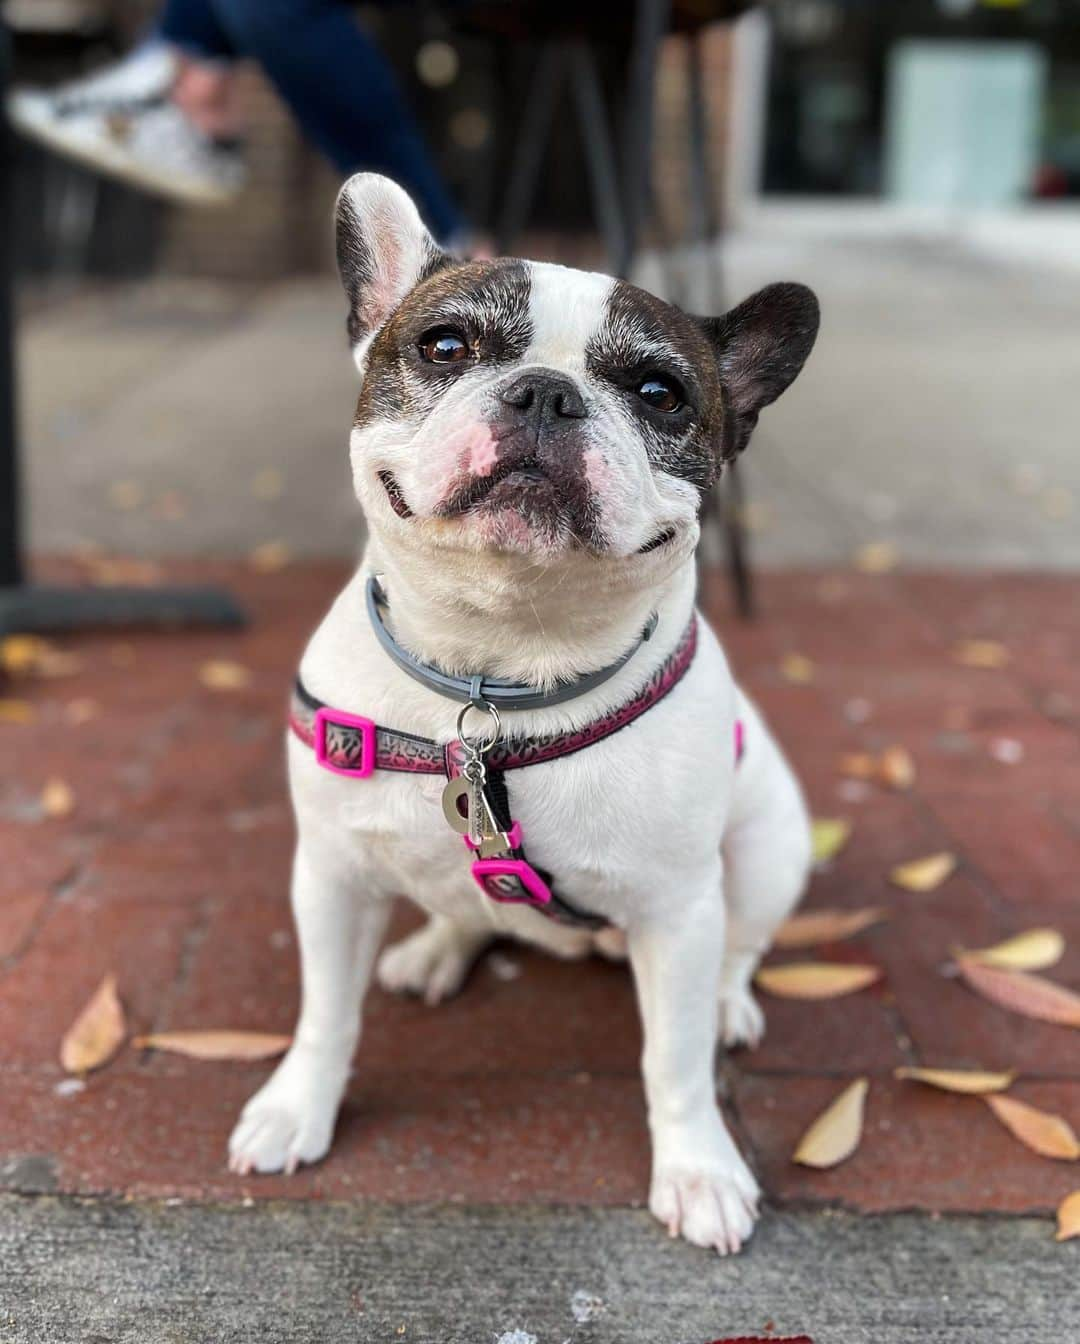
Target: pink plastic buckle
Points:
(487, 871)
(365, 727)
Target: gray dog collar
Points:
(479, 689)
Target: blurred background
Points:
(184, 381)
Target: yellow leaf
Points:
(1045, 1134)
(924, 874)
(974, 1082)
(981, 653)
(1023, 993)
(17, 711)
(896, 768)
(269, 557)
(125, 495)
(95, 1035)
(1033, 950)
(1068, 1217)
(830, 835)
(876, 557)
(797, 668)
(222, 675)
(20, 654)
(826, 926)
(57, 798)
(216, 1045)
(835, 1134)
(815, 979)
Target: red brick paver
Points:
(171, 871)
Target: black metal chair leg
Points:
(529, 152)
(737, 537)
(599, 151)
(704, 250)
(651, 23)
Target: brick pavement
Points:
(171, 871)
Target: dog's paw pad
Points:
(716, 1209)
(741, 1020)
(432, 963)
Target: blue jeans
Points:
(337, 82)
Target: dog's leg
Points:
(701, 1187)
(766, 861)
(434, 961)
(291, 1118)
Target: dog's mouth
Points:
(393, 493)
(506, 481)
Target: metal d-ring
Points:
(481, 746)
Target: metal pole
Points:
(10, 547)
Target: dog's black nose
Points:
(548, 396)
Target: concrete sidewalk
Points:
(99, 1273)
(937, 413)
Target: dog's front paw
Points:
(433, 962)
(289, 1121)
(741, 1020)
(712, 1203)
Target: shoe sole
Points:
(117, 163)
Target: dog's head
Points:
(522, 409)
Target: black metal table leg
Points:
(529, 151)
(23, 607)
(650, 25)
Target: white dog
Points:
(531, 448)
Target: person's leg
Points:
(341, 90)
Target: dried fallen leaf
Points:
(81, 710)
(797, 668)
(113, 572)
(1045, 1134)
(981, 653)
(17, 711)
(876, 557)
(830, 835)
(222, 675)
(57, 798)
(815, 979)
(826, 926)
(973, 1082)
(1034, 950)
(270, 557)
(1023, 993)
(858, 765)
(924, 874)
(835, 1134)
(1068, 1217)
(96, 1034)
(239, 1045)
(896, 768)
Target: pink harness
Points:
(352, 745)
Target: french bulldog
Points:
(531, 447)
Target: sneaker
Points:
(122, 123)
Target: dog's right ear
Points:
(383, 251)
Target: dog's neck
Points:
(518, 621)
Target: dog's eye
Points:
(444, 346)
(663, 394)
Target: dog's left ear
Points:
(383, 250)
(760, 347)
